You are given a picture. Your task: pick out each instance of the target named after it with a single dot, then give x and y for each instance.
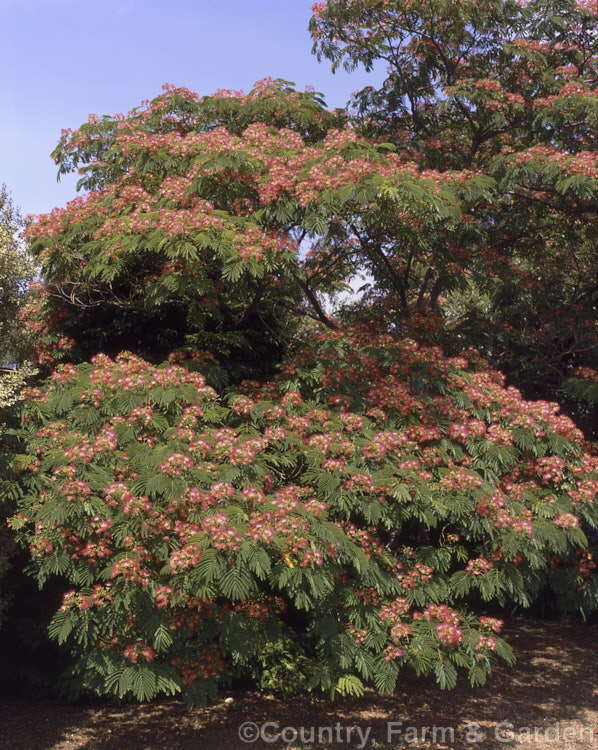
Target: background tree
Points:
(509, 91)
(16, 271)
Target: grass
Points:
(553, 691)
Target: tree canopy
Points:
(228, 476)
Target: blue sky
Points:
(64, 59)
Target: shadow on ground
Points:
(553, 687)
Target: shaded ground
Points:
(553, 692)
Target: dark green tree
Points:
(507, 90)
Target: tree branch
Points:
(322, 317)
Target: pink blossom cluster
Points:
(478, 567)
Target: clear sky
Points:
(64, 59)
